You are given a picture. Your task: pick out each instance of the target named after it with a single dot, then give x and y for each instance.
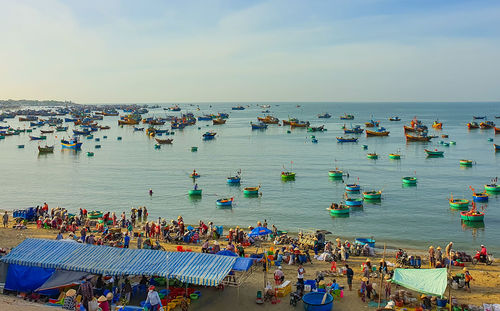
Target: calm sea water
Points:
(120, 174)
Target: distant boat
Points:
(209, 135)
(218, 121)
(372, 123)
(379, 132)
(258, 126)
(164, 141)
(354, 130)
(47, 131)
(486, 125)
(478, 117)
(38, 138)
(73, 143)
(325, 115)
(238, 108)
(417, 138)
(61, 128)
(347, 139)
(472, 125)
(435, 153)
(46, 149)
(395, 118)
(347, 117)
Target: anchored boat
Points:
(224, 202)
(493, 187)
(251, 190)
(459, 203)
(434, 153)
(346, 139)
(288, 175)
(46, 149)
(352, 187)
(335, 173)
(409, 180)
(339, 209)
(372, 195)
(372, 156)
(394, 156)
(466, 162)
(472, 215)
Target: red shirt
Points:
(483, 251)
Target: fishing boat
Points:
(82, 132)
(372, 156)
(223, 115)
(90, 154)
(224, 202)
(238, 108)
(480, 197)
(194, 149)
(486, 125)
(478, 117)
(352, 187)
(466, 162)
(379, 132)
(46, 149)
(258, 126)
(47, 131)
(269, 120)
(105, 127)
(174, 108)
(28, 118)
(325, 115)
(372, 123)
(251, 190)
(205, 118)
(493, 187)
(372, 195)
(138, 129)
(497, 130)
(434, 153)
(472, 215)
(354, 130)
(38, 138)
(354, 202)
(394, 156)
(61, 128)
(316, 128)
(218, 121)
(289, 121)
(339, 209)
(336, 173)
(299, 124)
(234, 179)
(497, 147)
(287, 175)
(437, 125)
(209, 135)
(94, 215)
(417, 138)
(71, 144)
(395, 118)
(363, 241)
(347, 139)
(164, 141)
(128, 121)
(459, 203)
(472, 125)
(347, 117)
(20, 146)
(409, 180)
(194, 192)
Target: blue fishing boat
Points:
(347, 117)
(325, 115)
(209, 135)
(347, 139)
(354, 130)
(205, 118)
(238, 108)
(224, 202)
(73, 143)
(83, 132)
(70, 119)
(352, 187)
(223, 115)
(258, 126)
(363, 241)
(497, 147)
(234, 179)
(38, 138)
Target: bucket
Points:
(441, 302)
(312, 302)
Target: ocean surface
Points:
(120, 174)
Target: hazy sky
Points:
(161, 51)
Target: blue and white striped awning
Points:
(189, 267)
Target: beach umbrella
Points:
(226, 253)
(259, 231)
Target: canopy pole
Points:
(449, 287)
(381, 279)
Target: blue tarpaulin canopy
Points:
(427, 281)
(259, 231)
(226, 253)
(189, 267)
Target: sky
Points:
(240, 50)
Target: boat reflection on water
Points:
(473, 226)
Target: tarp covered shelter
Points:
(427, 281)
(62, 278)
(51, 255)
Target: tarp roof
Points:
(243, 264)
(62, 278)
(427, 281)
(193, 268)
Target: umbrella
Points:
(226, 253)
(259, 231)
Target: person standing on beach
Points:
(139, 241)
(300, 274)
(126, 241)
(87, 291)
(432, 258)
(447, 251)
(468, 278)
(438, 256)
(5, 219)
(349, 275)
(362, 289)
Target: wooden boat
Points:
(299, 124)
(380, 132)
(174, 108)
(395, 118)
(41, 137)
(354, 130)
(347, 117)
(347, 139)
(493, 188)
(28, 118)
(335, 173)
(480, 197)
(352, 187)
(47, 131)
(288, 175)
(138, 129)
(497, 147)
(238, 108)
(223, 115)
(354, 202)
(372, 195)
(472, 125)
(251, 190)
(472, 215)
(218, 121)
(459, 203)
(61, 128)
(94, 215)
(417, 138)
(269, 120)
(71, 144)
(325, 115)
(372, 123)
(105, 127)
(83, 132)
(316, 128)
(466, 162)
(194, 192)
(289, 121)
(478, 117)
(437, 125)
(497, 130)
(128, 122)
(339, 209)
(258, 126)
(434, 153)
(209, 135)
(486, 125)
(409, 180)
(224, 202)
(233, 179)
(394, 156)
(372, 156)
(164, 141)
(205, 118)
(46, 149)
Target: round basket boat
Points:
(459, 203)
(342, 210)
(465, 162)
(352, 187)
(372, 156)
(372, 195)
(470, 216)
(335, 173)
(354, 202)
(251, 191)
(233, 180)
(480, 197)
(492, 188)
(94, 215)
(409, 180)
(193, 192)
(224, 202)
(394, 156)
(288, 175)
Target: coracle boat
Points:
(218, 121)
(394, 156)
(379, 132)
(466, 162)
(493, 187)
(269, 120)
(347, 139)
(372, 156)
(354, 130)
(372, 195)
(71, 144)
(354, 202)
(409, 180)
(90, 154)
(459, 203)
(325, 115)
(224, 202)
(363, 241)
(339, 209)
(347, 117)
(94, 215)
(194, 192)
(288, 175)
(164, 141)
(352, 187)
(372, 123)
(395, 118)
(20, 146)
(472, 125)
(417, 138)
(258, 126)
(335, 173)
(46, 149)
(234, 179)
(437, 125)
(209, 135)
(486, 125)
(251, 190)
(434, 153)
(480, 197)
(472, 215)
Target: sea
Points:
(118, 177)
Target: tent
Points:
(259, 231)
(62, 278)
(427, 281)
(226, 253)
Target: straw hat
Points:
(364, 279)
(102, 299)
(109, 296)
(338, 240)
(438, 248)
(381, 260)
(230, 229)
(216, 243)
(71, 293)
(431, 247)
(465, 269)
(423, 296)
(368, 260)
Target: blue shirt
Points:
(126, 240)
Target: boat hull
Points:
(480, 197)
(342, 211)
(196, 192)
(352, 187)
(335, 174)
(492, 188)
(465, 163)
(372, 195)
(354, 202)
(409, 180)
(459, 204)
(394, 156)
(375, 133)
(475, 218)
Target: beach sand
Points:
(484, 286)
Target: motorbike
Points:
(477, 258)
(296, 296)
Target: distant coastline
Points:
(11, 103)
